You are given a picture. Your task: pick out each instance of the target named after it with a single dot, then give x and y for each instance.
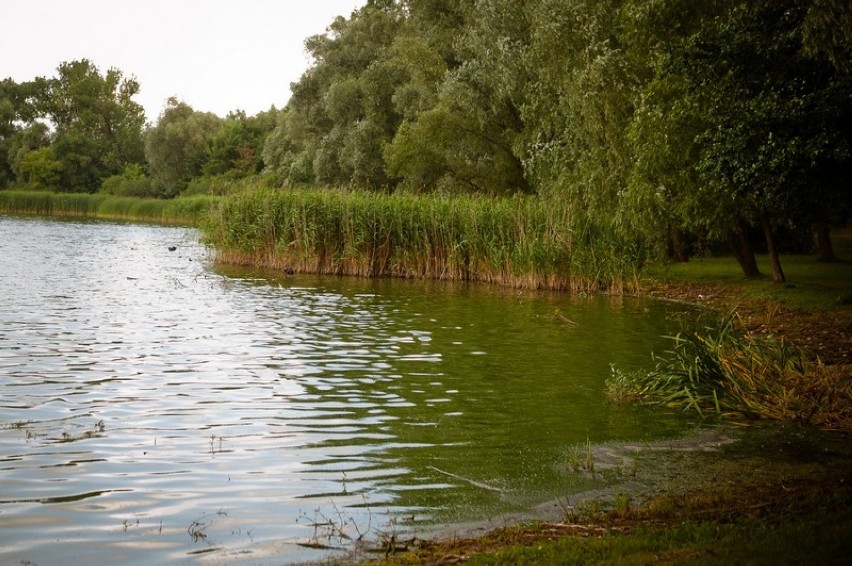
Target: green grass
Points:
(775, 495)
(188, 210)
(811, 285)
(818, 538)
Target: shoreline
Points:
(717, 477)
(823, 335)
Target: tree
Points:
(236, 148)
(40, 169)
(462, 116)
(8, 128)
(663, 197)
(340, 113)
(20, 132)
(97, 126)
(756, 133)
(779, 118)
(577, 103)
(176, 148)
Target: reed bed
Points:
(186, 210)
(733, 374)
(519, 241)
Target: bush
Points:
(131, 183)
(225, 184)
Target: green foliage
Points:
(131, 183)
(87, 118)
(98, 126)
(514, 241)
(341, 111)
(176, 148)
(184, 210)
(742, 123)
(228, 183)
(40, 169)
(236, 148)
(827, 32)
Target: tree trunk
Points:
(826, 250)
(777, 272)
(741, 247)
(676, 251)
(679, 250)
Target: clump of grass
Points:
(581, 459)
(731, 373)
(516, 241)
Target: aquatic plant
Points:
(519, 241)
(185, 210)
(580, 458)
(732, 373)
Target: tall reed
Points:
(186, 210)
(517, 241)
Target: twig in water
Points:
(562, 318)
(468, 480)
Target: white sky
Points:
(215, 55)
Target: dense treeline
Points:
(649, 125)
(82, 132)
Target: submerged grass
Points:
(519, 241)
(186, 210)
(732, 373)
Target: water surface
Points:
(156, 409)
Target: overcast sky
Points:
(215, 55)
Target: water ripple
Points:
(152, 408)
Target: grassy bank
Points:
(811, 285)
(520, 242)
(780, 352)
(187, 211)
(703, 528)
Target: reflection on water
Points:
(154, 409)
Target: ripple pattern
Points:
(153, 409)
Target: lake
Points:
(156, 408)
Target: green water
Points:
(154, 407)
(491, 392)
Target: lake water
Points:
(157, 409)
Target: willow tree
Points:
(177, 146)
(469, 139)
(578, 101)
(340, 113)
